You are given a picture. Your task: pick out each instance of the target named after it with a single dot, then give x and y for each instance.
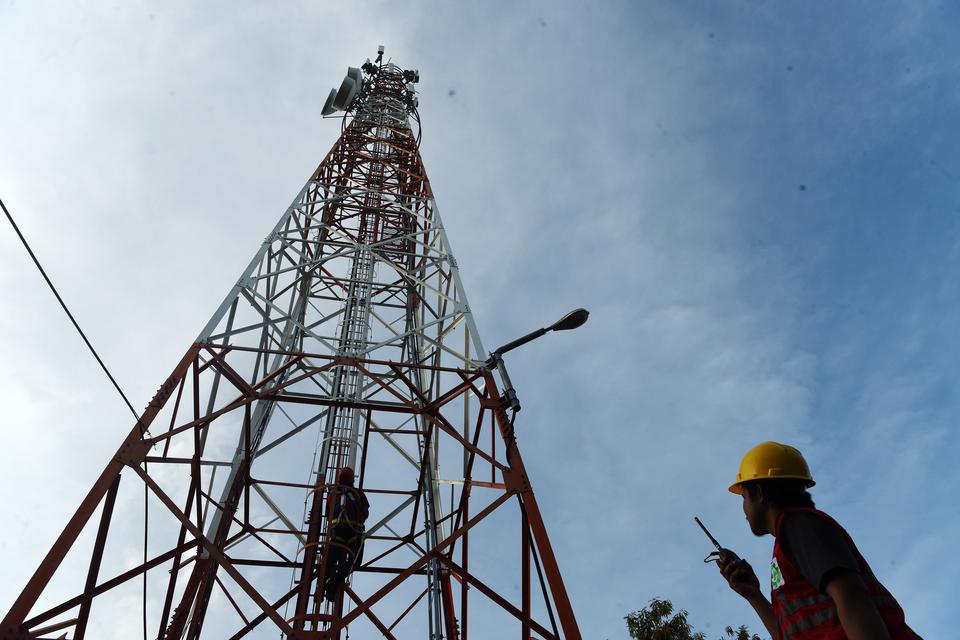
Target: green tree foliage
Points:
(741, 633)
(659, 621)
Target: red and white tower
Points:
(347, 341)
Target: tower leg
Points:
(517, 480)
(525, 576)
(449, 614)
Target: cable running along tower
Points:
(347, 341)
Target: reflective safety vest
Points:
(803, 613)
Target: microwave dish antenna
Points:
(349, 88)
(328, 104)
(345, 95)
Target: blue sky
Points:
(759, 202)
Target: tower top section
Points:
(375, 85)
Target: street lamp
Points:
(571, 320)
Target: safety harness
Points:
(345, 527)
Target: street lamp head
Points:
(572, 320)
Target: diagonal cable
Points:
(70, 315)
(143, 432)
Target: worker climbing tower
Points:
(346, 342)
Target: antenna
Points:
(357, 75)
(328, 105)
(348, 89)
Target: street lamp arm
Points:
(572, 320)
(510, 346)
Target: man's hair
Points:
(782, 493)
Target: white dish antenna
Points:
(349, 88)
(357, 75)
(328, 105)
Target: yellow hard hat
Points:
(769, 460)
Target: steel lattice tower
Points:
(347, 340)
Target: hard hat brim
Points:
(737, 489)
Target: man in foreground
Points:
(821, 587)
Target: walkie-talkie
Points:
(715, 556)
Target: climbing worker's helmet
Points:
(770, 461)
(345, 476)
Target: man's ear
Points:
(759, 495)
